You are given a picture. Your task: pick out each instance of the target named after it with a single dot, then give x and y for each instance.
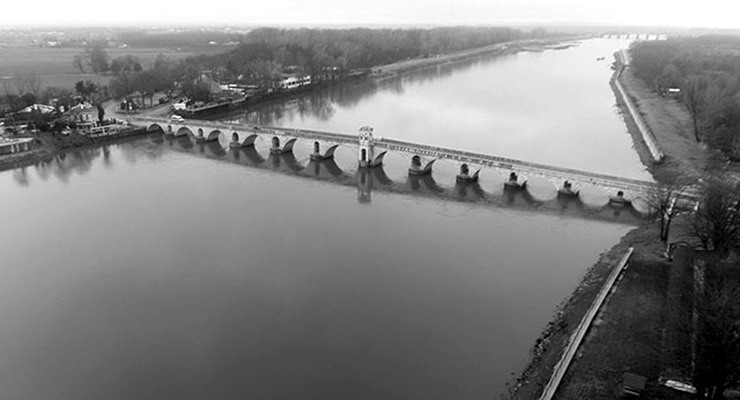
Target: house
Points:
(43, 108)
(294, 81)
(83, 112)
(10, 146)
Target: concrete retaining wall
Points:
(577, 337)
(647, 134)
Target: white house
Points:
(293, 82)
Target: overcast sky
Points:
(684, 13)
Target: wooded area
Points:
(707, 71)
(265, 51)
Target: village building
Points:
(12, 146)
(294, 81)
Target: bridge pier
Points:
(464, 175)
(619, 200)
(328, 155)
(567, 190)
(200, 138)
(513, 182)
(416, 169)
(275, 148)
(316, 155)
(248, 141)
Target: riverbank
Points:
(400, 67)
(671, 127)
(626, 335)
(47, 145)
(382, 72)
(625, 338)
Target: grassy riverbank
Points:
(671, 125)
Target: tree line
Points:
(265, 52)
(707, 72)
(264, 55)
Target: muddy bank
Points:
(549, 347)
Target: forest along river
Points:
(142, 270)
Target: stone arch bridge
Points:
(371, 150)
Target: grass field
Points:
(54, 65)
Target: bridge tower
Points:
(366, 153)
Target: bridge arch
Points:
(213, 135)
(155, 127)
(183, 131)
(428, 167)
(330, 151)
(288, 147)
(249, 140)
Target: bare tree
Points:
(665, 202)
(31, 83)
(78, 62)
(716, 221)
(694, 98)
(717, 330)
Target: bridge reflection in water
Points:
(375, 179)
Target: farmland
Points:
(54, 65)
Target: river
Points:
(157, 269)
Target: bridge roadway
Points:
(520, 167)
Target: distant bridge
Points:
(636, 36)
(366, 144)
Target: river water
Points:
(159, 268)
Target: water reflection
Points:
(469, 191)
(282, 285)
(324, 168)
(20, 175)
(248, 155)
(322, 104)
(364, 185)
(414, 182)
(285, 162)
(81, 161)
(520, 106)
